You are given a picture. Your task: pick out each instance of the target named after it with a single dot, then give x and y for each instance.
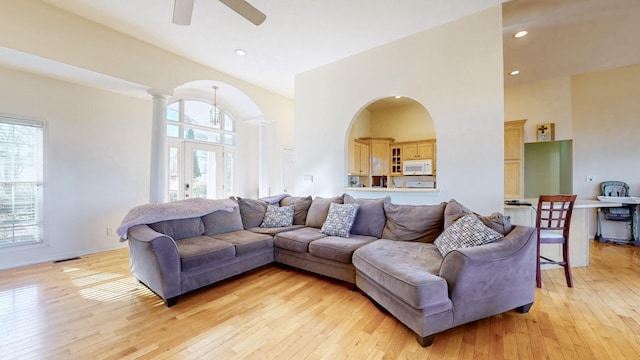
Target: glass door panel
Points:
(204, 170)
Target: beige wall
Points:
(464, 98)
(404, 123)
(606, 128)
(96, 152)
(541, 102)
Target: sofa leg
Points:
(171, 301)
(425, 341)
(524, 308)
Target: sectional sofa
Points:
(432, 267)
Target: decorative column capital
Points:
(156, 94)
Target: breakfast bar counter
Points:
(578, 233)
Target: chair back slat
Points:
(554, 212)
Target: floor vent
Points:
(69, 259)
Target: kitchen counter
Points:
(578, 233)
(383, 189)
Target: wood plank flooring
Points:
(92, 308)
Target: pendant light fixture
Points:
(214, 114)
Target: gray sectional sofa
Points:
(432, 267)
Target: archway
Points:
(383, 135)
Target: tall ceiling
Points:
(566, 37)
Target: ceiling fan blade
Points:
(182, 10)
(246, 10)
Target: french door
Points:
(204, 171)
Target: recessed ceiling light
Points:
(520, 34)
(514, 72)
(240, 52)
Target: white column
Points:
(159, 161)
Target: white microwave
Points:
(417, 167)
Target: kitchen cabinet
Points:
(514, 159)
(419, 150)
(359, 161)
(380, 156)
(396, 160)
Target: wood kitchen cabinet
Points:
(419, 150)
(380, 156)
(359, 160)
(514, 159)
(396, 160)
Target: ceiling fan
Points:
(183, 9)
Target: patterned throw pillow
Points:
(340, 219)
(468, 231)
(277, 216)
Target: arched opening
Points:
(387, 138)
(213, 151)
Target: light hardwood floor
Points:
(93, 308)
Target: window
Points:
(193, 144)
(21, 168)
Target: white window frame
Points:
(179, 142)
(38, 180)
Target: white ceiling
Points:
(566, 37)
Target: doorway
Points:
(204, 171)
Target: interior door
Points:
(203, 171)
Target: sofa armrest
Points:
(155, 260)
(493, 278)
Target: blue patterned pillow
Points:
(340, 219)
(468, 231)
(278, 216)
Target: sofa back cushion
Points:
(252, 212)
(454, 211)
(180, 229)
(301, 208)
(221, 221)
(496, 221)
(370, 219)
(413, 222)
(319, 209)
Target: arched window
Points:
(201, 150)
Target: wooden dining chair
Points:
(553, 220)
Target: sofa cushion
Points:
(338, 248)
(180, 229)
(297, 240)
(246, 241)
(252, 212)
(408, 270)
(301, 208)
(340, 219)
(203, 250)
(319, 209)
(277, 216)
(413, 222)
(273, 231)
(454, 211)
(498, 222)
(370, 219)
(466, 232)
(219, 222)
